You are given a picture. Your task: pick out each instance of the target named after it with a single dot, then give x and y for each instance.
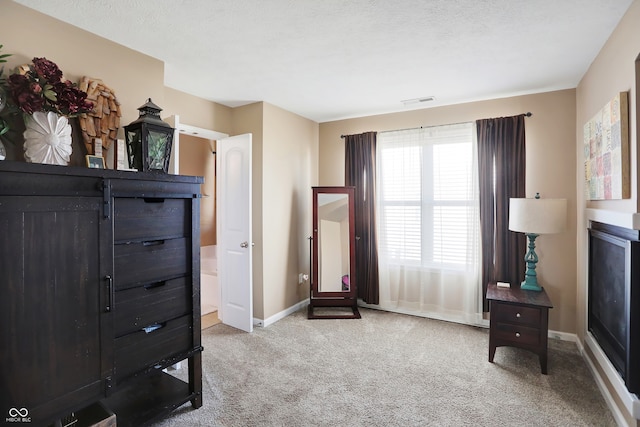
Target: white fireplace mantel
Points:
(629, 400)
(621, 219)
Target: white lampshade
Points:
(537, 216)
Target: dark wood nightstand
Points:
(519, 318)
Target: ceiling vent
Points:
(418, 100)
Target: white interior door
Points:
(235, 272)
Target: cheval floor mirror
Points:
(333, 292)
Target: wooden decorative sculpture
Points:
(103, 122)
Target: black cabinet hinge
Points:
(106, 198)
(108, 386)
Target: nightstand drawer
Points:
(144, 349)
(517, 314)
(153, 303)
(517, 334)
(150, 218)
(150, 261)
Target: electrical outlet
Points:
(300, 279)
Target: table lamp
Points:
(534, 217)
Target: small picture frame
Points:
(95, 162)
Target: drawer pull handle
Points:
(517, 334)
(109, 280)
(155, 285)
(153, 243)
(518, 315)
(154, 327)
(153, 200)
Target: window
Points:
(427, 196)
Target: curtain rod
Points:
(527, 114)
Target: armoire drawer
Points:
(143, 349)
(150, 261)
(150, 218)
(152, 303)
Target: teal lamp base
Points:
(530, 286)
(530, 282)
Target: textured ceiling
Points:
(334, 59)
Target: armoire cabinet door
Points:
(55, 304)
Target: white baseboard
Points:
(629, 400)
(562, 336)
(284, 313)
(479, 322)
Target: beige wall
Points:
(612, 71)
(551, 171)
(197, 112)
(285, 148)
(290, 170)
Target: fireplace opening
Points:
(614, 297)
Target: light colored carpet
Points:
(385, 369)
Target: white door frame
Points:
(185, 129)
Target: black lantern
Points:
(149, 140)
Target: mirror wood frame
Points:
(332, 301)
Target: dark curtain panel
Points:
(360, 172)
(501, 165)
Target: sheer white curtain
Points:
(428, 222)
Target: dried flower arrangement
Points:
(40, 86)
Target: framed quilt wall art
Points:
(606, 151)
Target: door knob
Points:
(244, 244)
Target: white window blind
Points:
(427, 197)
